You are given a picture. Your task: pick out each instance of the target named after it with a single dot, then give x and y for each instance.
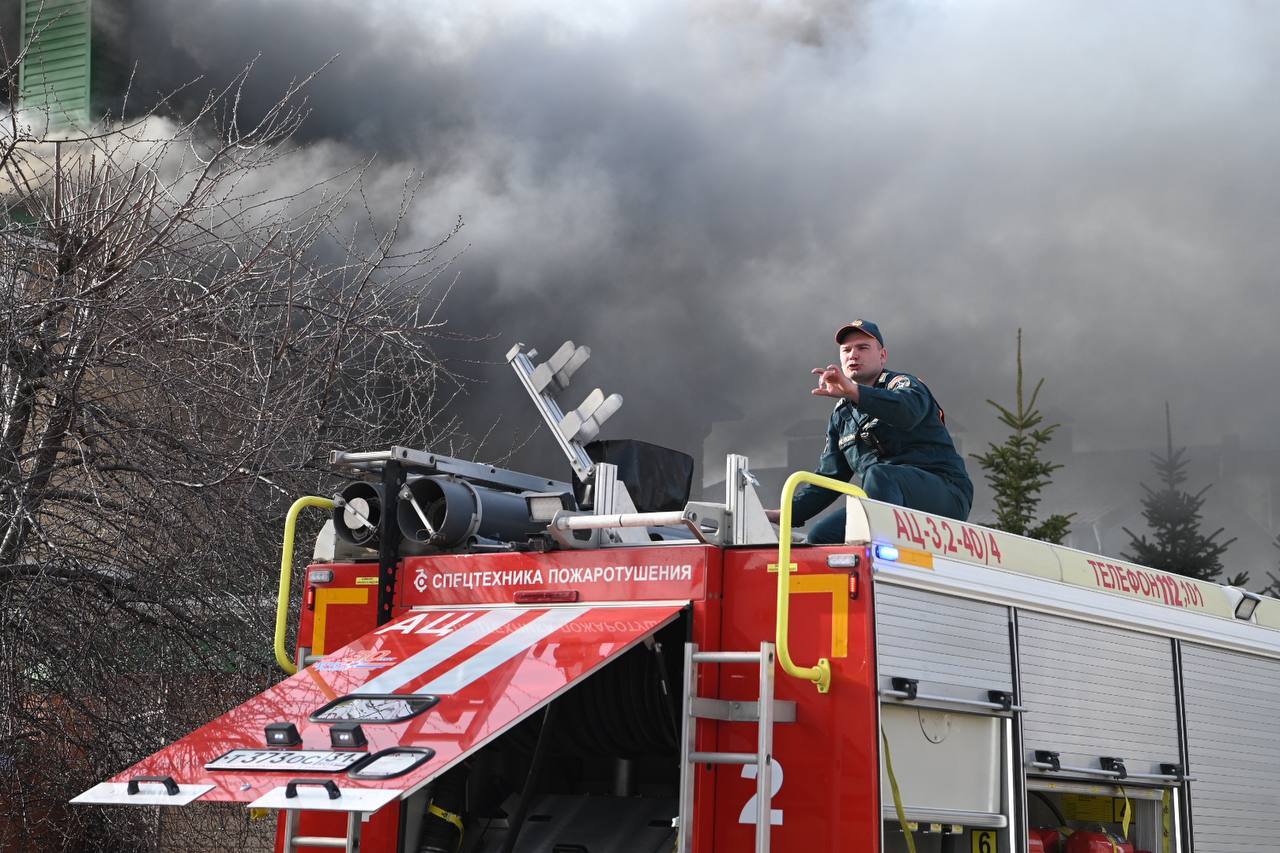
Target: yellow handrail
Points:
(286, 575)
(820, 674)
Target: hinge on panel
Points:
(1113, 765)
(1003, 698)
(1044, 756)
(909, 686)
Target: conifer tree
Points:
(1273, 588)
(1173, 514)
(1016, 471)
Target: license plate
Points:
(315, 760)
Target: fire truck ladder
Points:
(349, 842)
(324, 795)
(764, 712)
(292, 840)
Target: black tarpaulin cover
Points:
(658, 478)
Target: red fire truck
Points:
(492, 661)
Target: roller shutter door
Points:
(1233, 755)
(1093, 691)
(953, 646)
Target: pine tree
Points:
(1016, 471)
(1173, 514)
(1273, 588)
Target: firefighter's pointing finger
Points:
(831, 382)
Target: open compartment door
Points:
(425, 691)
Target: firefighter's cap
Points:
(866, 327)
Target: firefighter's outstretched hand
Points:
(833, 383)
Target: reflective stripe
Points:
(438, 652)
(502, 651)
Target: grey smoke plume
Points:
(703, 192)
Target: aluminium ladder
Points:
(349, 843)
(764, 712)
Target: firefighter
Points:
(888, 429)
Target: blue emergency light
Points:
(887, 552)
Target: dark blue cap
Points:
(866, 327)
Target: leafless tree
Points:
(189, 321)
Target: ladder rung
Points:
(726, 657)
(319, 841)
(723, 758)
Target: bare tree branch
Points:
(186, 331)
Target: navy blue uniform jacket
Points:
(896, 421)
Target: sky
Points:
(703, 191)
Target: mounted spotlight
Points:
(559, 369)
(1247, 604)
(583, 423)
(357, 510)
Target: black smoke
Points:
(702, 192)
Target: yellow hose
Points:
(821, 673)
(286, 576)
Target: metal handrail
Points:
(1111, 774)
(565, 520)
(820, 674)
(286, 575)
(902, 697)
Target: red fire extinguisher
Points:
(1096, 841)
(1044, 839)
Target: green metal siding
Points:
(54, 76)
